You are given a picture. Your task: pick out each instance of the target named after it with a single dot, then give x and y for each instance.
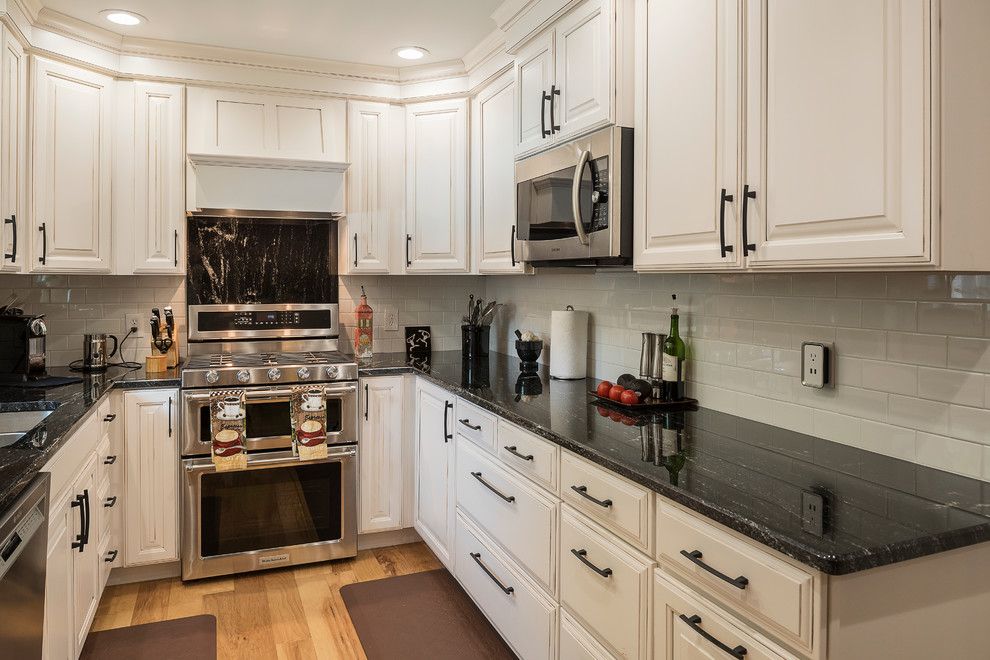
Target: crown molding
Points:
(487, 48)
(509, 12)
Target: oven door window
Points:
(545, 204)
(269, 508)
(271, 419)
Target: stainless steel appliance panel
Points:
(23, 562)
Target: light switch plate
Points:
(815, 364)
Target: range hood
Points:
(253, 185)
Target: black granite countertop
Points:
(746, 475)
(21, 461)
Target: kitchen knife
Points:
(488, 315)
(155, 330)
(169, 329)
(467, 319)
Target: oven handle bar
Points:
(334, 453)
(261, 395)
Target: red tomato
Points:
(603, 411)
(628, 421)
(629, 397)
(603, 388)
(616, 392)
(615, 416)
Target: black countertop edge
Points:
(21, 462)
(832, 563)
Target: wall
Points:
(913, 349)
(78, 304)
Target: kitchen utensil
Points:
(476, 314)
(10, 302)
(474, 341)
(518, 334)
(156, 333)
(529, 351)
(488, 314)
(23, 354)
(470, 310)
(656, 363)
(96, 357)
(646, 355)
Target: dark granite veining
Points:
(238, 260)
(743, 474)
(21, 461)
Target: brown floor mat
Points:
(423, 615)
(191, 638)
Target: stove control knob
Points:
(332, 371)
(303, 373)
(212, 376)
(243, 376)
(274, 373)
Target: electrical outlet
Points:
(134, 321)
(391, 320)
(812, 513)
(814, 365)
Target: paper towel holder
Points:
(569, 373)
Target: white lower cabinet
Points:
(518, 609)
(686, 626)
(434, 457)
(576, 643)
(151, 455)
(380, 459)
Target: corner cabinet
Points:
(493, 190)
(149, 171)
(71, 152)
(13, 154)
(151, 459)
(380, 462)
(434, 462)
(437, 187)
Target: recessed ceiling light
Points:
(121, 17)
(411, 52)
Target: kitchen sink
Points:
(21, 421)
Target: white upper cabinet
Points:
(149, 203)
(687, 150)
(366, 237)
(13, 151)
(71, 154)
(583, 69)
(493, 190)
(437, 187)
(838, 150)
(534, 77)
(231, 123)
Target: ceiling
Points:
(363, 31)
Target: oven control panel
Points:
(259, 320)
(262, 321)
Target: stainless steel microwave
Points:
(574, 201)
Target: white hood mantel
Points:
(222, 181)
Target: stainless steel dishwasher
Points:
(23, 555)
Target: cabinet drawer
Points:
(109, 557)
(576, 643)
(102, 513)
(525, 526)
(532, 457)
(753, 580)
(604, 584)
(619, 504)
(475, 424)
(105, 468)
(686, 625)
(526, 619)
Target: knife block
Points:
(156, 363)
(173, 351)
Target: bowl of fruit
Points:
(627, 391)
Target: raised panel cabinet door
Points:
(583, 57)
(159, 186)
(72, 139)
(534, 76)
(687, 142)
(493, 195)
(13, 151)
(368, 211)
(838, 144)
(436, 187)
(59, 642)
(86, 587)
(151, 458)
(434, 506)
(381, 454)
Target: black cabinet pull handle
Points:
(80, 537)
(175, 247)
(484, 482)
(694, 622)
(582, 554)
(366, 402)
(110, 502)
(355, 250)
(110, 417)
(110, 460)
(553, 92)
(44, 244)
(408, 241)
(544, 97)
(170, 417)
(111, 557)
(467, 423)
(89, 516)
(512, 450)
(476, 556)
(747, 195)
(512, 246)
(721, 223)
(583, 492)
(12, 221)
(695, 557)
(447, 435)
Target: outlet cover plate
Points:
(132, 320)
(815, 364)
(813, 513)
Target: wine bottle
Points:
(673, 360)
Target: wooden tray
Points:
(648, 406)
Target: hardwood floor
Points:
(288, 613)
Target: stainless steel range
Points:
(280, 511)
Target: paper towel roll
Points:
(568, 344)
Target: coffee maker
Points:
(22, 347)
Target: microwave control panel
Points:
(599, 193)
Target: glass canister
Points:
(364, 329)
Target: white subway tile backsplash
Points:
(969, 354)
(950, 454)
(951, 318)
(970, 286)
(795, 310)
(838, 312)
(893, 441)
(890, 315)
(918, 286)
(960, 387)
(919, 414)
(818, 285)
(860, 285)
(861, 343)
(928, 350)
(890, 377)
(970, 423)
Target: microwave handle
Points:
(576, 196)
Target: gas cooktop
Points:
(247, 369)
